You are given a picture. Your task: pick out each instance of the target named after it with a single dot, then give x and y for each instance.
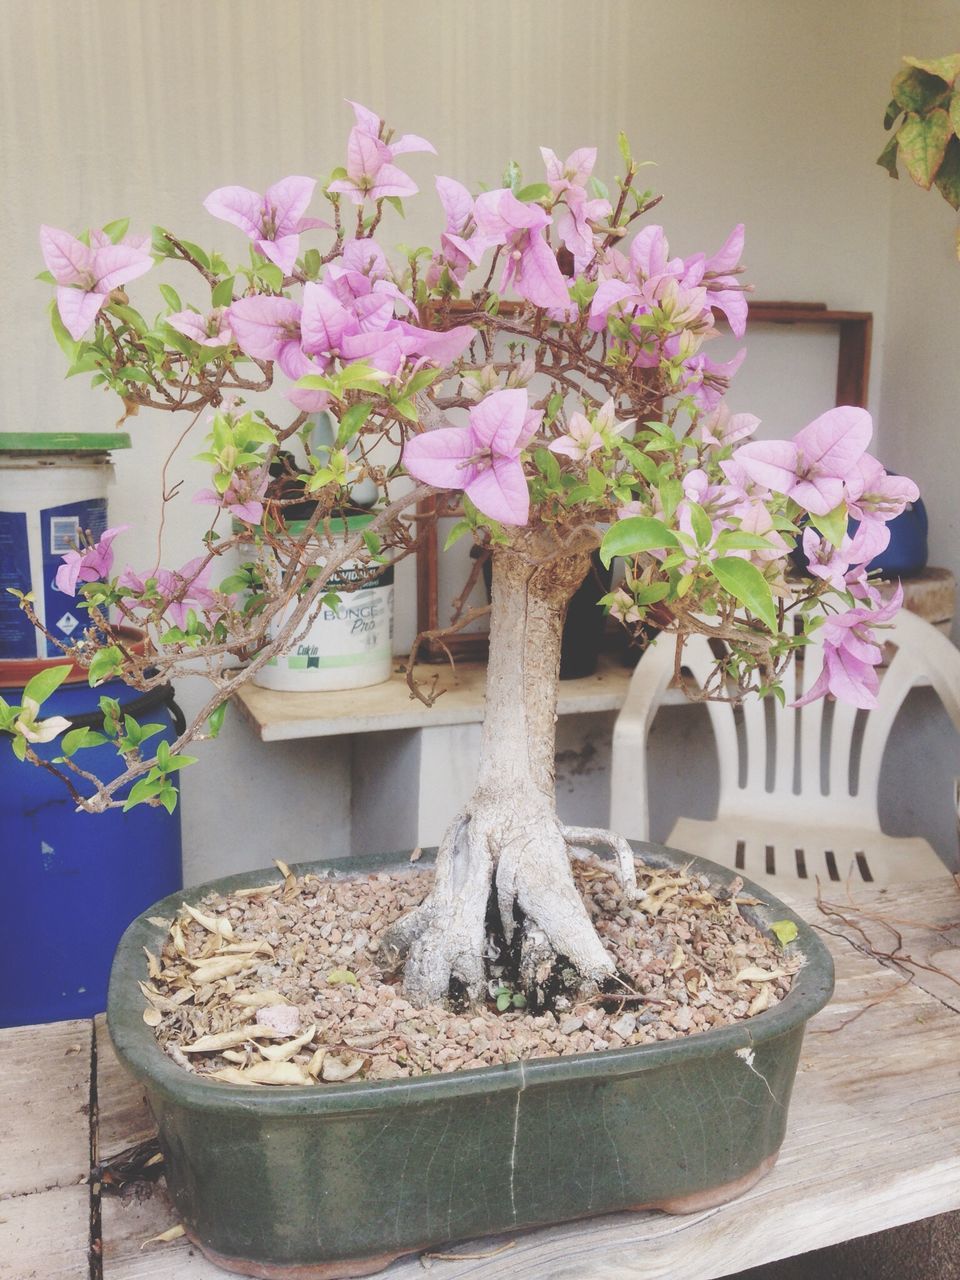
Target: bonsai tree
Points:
(547, 361)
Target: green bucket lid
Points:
(62, 441)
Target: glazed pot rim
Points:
(137, 1046)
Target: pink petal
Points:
(116, 264)
(324, 320)
(836, 441)
(346, 187)
(78, 310)
(440, 348)
(733, 304)
(190, 323)
(308, 400)
(648, 252)
(289, 199)
(392, 181)
(439, 457)
(282, 251)
(457, 203)
(68, 260)
(411, 142)
(293, 361)
(772, 463)
(239, 206)
(497, 421)
(728, 256)
(262, 323)
(819, 496)
(367, 121)
(539, 278)
(580, 164)
(365, 155)
(68, 572)
(501, 492)
(380, 348)
(608, 295)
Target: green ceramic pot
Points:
(338, 1180)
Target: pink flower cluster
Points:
(684, 293)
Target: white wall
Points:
(753, 111)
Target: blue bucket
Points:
(72, 882)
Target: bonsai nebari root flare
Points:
(508, 841)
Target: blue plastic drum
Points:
(71, 882)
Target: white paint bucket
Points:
(347, 646)
(53, 489)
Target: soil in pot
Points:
(284, 985)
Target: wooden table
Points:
(873, 1139)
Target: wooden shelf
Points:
(279, 717)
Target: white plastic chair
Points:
(798, 788)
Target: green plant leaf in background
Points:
(947, 68)
(948, 175)
(635, 534)
(923, 141)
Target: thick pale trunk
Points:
(508, 836)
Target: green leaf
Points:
(916, 90)
(504, 1000)
(337, 976)
(223, 293)
(351, 421)
(887, 159)
(700, 522)
(512, 176)
(64, 341)
(833, 525)
(77, 739)
(456, 533)
(671, 491)
(195, 251)
(785, 931)
(168, 797)
(396, 203)
(46, 682)
(105, 664)
(19, 745)
(535, 191)
(635, 534)
(923, 141)
(215, 723)
(170, 297)
(45, 276)
(623, 144)
(893, 111)
(954, 113)
(948, 175)
(746, 583)
(312, 262)
(117, 229)
(548, 466)
(143, 790)
(651, 593)
(737, 540)
(946, 69)
(271, 275)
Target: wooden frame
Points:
(853, 379)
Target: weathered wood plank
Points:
(130, 1221)
(123, 1115)
(873, 1142)
(46, 1236)
(44, 1106)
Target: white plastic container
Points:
(347, 647)
(53, 488)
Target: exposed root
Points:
(579, 836)
(524, 862)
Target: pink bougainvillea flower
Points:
(530, 267)
(211, 330)
(851, 655)
(181, 589)
(243, 496)
(91, 564)
(370, 123)
(462, 245)
(268, 328)
(872, 493)
(722, 428)
(483, 458)
(833, 564)
(811, 468)
(584, 437)
(567, 180)
(371, 174)
(85, 274)
(273, 221)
